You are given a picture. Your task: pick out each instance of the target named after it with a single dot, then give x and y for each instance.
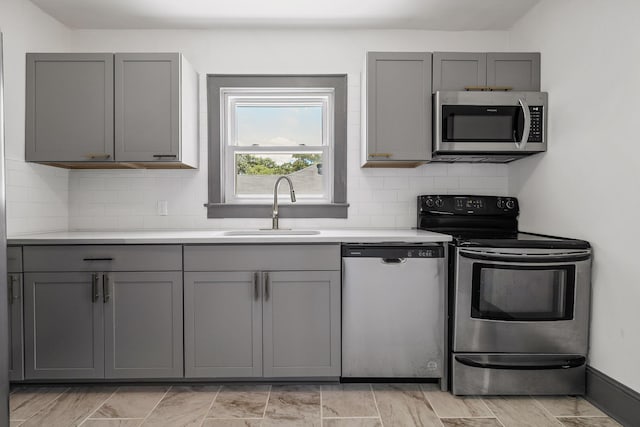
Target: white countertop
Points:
(218, 236)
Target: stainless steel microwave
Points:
(493, 127)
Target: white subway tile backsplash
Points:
(37, 198)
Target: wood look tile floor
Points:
(296, 405)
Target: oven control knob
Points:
(500, 204)
(429, 203)
(439, 203)
(511, 204)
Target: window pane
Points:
(256, 174)
(269, 125)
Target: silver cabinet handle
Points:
(527, 124)
(267, 284)
(97, 156)
(15, 287)
(10, 289)
(106, 293)
(256, 285)
(95, 293)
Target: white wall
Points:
(586, 185)
(37, 196)
(378, 198)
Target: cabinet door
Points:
(223, 319)
(453, 71)
(398, 106)
(69, 107)
(147, 107)
(519, 71)
(143, 324)
(16, 370)
(64, 335)
(301, 324)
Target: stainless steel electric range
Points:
(519, 302)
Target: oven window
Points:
(523, 293)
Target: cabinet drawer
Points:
(261, 257)
(103, 258)
(14, 259)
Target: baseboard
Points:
(614, 398)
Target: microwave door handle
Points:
(527, 124)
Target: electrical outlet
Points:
(163, 208)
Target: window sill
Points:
(224, 210)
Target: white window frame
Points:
(231, 97)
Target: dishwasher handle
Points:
(393, 261)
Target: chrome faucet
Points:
(274, 216)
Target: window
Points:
(262, 127)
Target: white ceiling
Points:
(201, 14)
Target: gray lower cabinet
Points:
(223, 324)
(64, 331)
(16, 345)
(397, 109)
(272, 324)
(262, 311)
(301, 324)
(15, 299)
(456, 71)
(143, 324)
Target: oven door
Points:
(521, 300)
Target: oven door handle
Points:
(532, 258)
(532, 364)
(527, 125)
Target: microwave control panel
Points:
(535, 133)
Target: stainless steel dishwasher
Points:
(393, 311)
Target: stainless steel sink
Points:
(271, 232)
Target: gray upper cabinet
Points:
(143, 324)
(397, 109)
(456, 71)
(14, 286)
(519, 71)
(69, 107)
(151, 91)
(64, 336)
(302, 324)
(128, 110)
(223, 324)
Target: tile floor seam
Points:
(350, 418)
(321, 411)
(582, 416)
(98, 407)
(540, 405)
(375, 402)
(433, 408)
(491, 411)
(211, 405)
(144, 420)
(66, 389)
(264, 412)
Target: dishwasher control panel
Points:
(381, 251)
